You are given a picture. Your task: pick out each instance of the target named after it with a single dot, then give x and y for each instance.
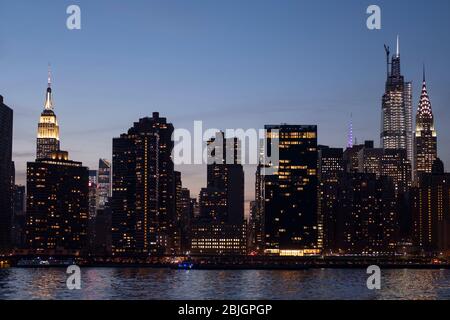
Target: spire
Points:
(350, 133)
(398, 46)
(424, 73)
(48, 99)
(49, 76)
(424, 110)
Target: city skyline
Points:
(303, 103)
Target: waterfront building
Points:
(57, 205)
(367, 217)
(431, 209)
(331, 170)
(291, 225)
(143, 195)
(6, 174)
(218, 239)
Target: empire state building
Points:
(48, 129)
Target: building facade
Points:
(143, 195)
(425, 135)
(290, 194)
(6, 174)
(57, 205)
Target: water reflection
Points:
(143, 283)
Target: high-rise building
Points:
(425, 135)
(396, 119)
(431, 209)
(290, 194)
(57, 205)
(366, 219)
(103, 183)
(48, 129)
(330, 173)
(6, 172)
(143, 200)
(221, 228)
(223, 198)
(92, 194)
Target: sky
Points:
(231, 64)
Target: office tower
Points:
(395, 164)
(221, 228)
(143, 199)
(6, 172)
(351, 157)
(369, 159)
(331, 170)
(366, 219)
(290, 207)
(103, 183)
(223, 198)
(425, 135)
(92, 194)
(431, 209)
(396, 119)
(57, 205)
(48, 130)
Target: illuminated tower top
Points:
(48, 128)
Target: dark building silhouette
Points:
(6, 174)
(290, 206)
(431, 210)
(19, 216)
(367, 217)
(57, 205)
(331, 172)
(223, 198)
(101, 244)
(143, 199)
(221, 228)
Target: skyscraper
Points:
(103, 183)
(290, 207)
(431, 209)
(57, 205)
(6, 172)
(225, 181)
(221, 228)
(330, 172)
(143, 199)
(48, 129)
(396, 119)
(425, 135)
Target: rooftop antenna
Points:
(388, 53)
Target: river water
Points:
(148, 283)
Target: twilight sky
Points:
(231, 64)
